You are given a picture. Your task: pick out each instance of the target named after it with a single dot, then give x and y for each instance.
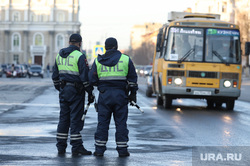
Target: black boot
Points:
(81, 151)
(61, 151)
(126, 154)
(98, 154)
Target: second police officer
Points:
(70, 77)
(114, 75)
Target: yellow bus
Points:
(198, 56)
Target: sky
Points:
(101, 19)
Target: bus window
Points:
(184, 44)
(222, 46)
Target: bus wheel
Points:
(230, 105)
(167, 102)
(159, 100)
(210, 104)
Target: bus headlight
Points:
(227, 83)
(178, 81)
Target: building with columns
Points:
(33, 31)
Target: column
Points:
(7, 44)
(26, 46)
(52, 47)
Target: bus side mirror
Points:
(158, 43)
(247, 48)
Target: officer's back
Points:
(70, 77)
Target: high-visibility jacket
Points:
(117, 72)
(68, 65)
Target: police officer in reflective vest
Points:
(113, 73)
(70, 77)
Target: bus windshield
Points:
(187, 44)
(222, 46)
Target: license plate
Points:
(202, 93)
(35, 74)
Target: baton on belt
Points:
(137, 106)
(85, 112)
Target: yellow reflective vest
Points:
(117, 72)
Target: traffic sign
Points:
(98, 49)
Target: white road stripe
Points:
(56, 105)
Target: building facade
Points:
(33, 31)
(225, 8)
(143, 33)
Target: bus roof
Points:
(172, 16)
(198, 20)
(203, 22)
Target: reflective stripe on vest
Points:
(68, 65)
(117, 72)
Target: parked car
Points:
(35, 71)
(19, 71)
(25, 71)
(4, 67)
(149, 90)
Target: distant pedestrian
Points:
(48, 70)
(13, 70)
(70, 77)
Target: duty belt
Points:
(79, 87)
(69, 83)
(64, 83)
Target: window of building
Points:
(16, 40)
(16, 58)
(44, 18)
(33, 17)
(224, 7)
(16, 16)
(209, 9)
(60, 17)
(38, 40)
(60, 41)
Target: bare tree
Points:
(144, 54)
(243, 20)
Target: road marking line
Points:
(57, 105)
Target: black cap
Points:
(75, 38)
(111, 43)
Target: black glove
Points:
(57, 84)
(57, 87)
(132, 97)
(91, 98)
(88, 88)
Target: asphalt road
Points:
(29, 112)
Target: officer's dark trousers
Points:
(112, 101)
(71, 105)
